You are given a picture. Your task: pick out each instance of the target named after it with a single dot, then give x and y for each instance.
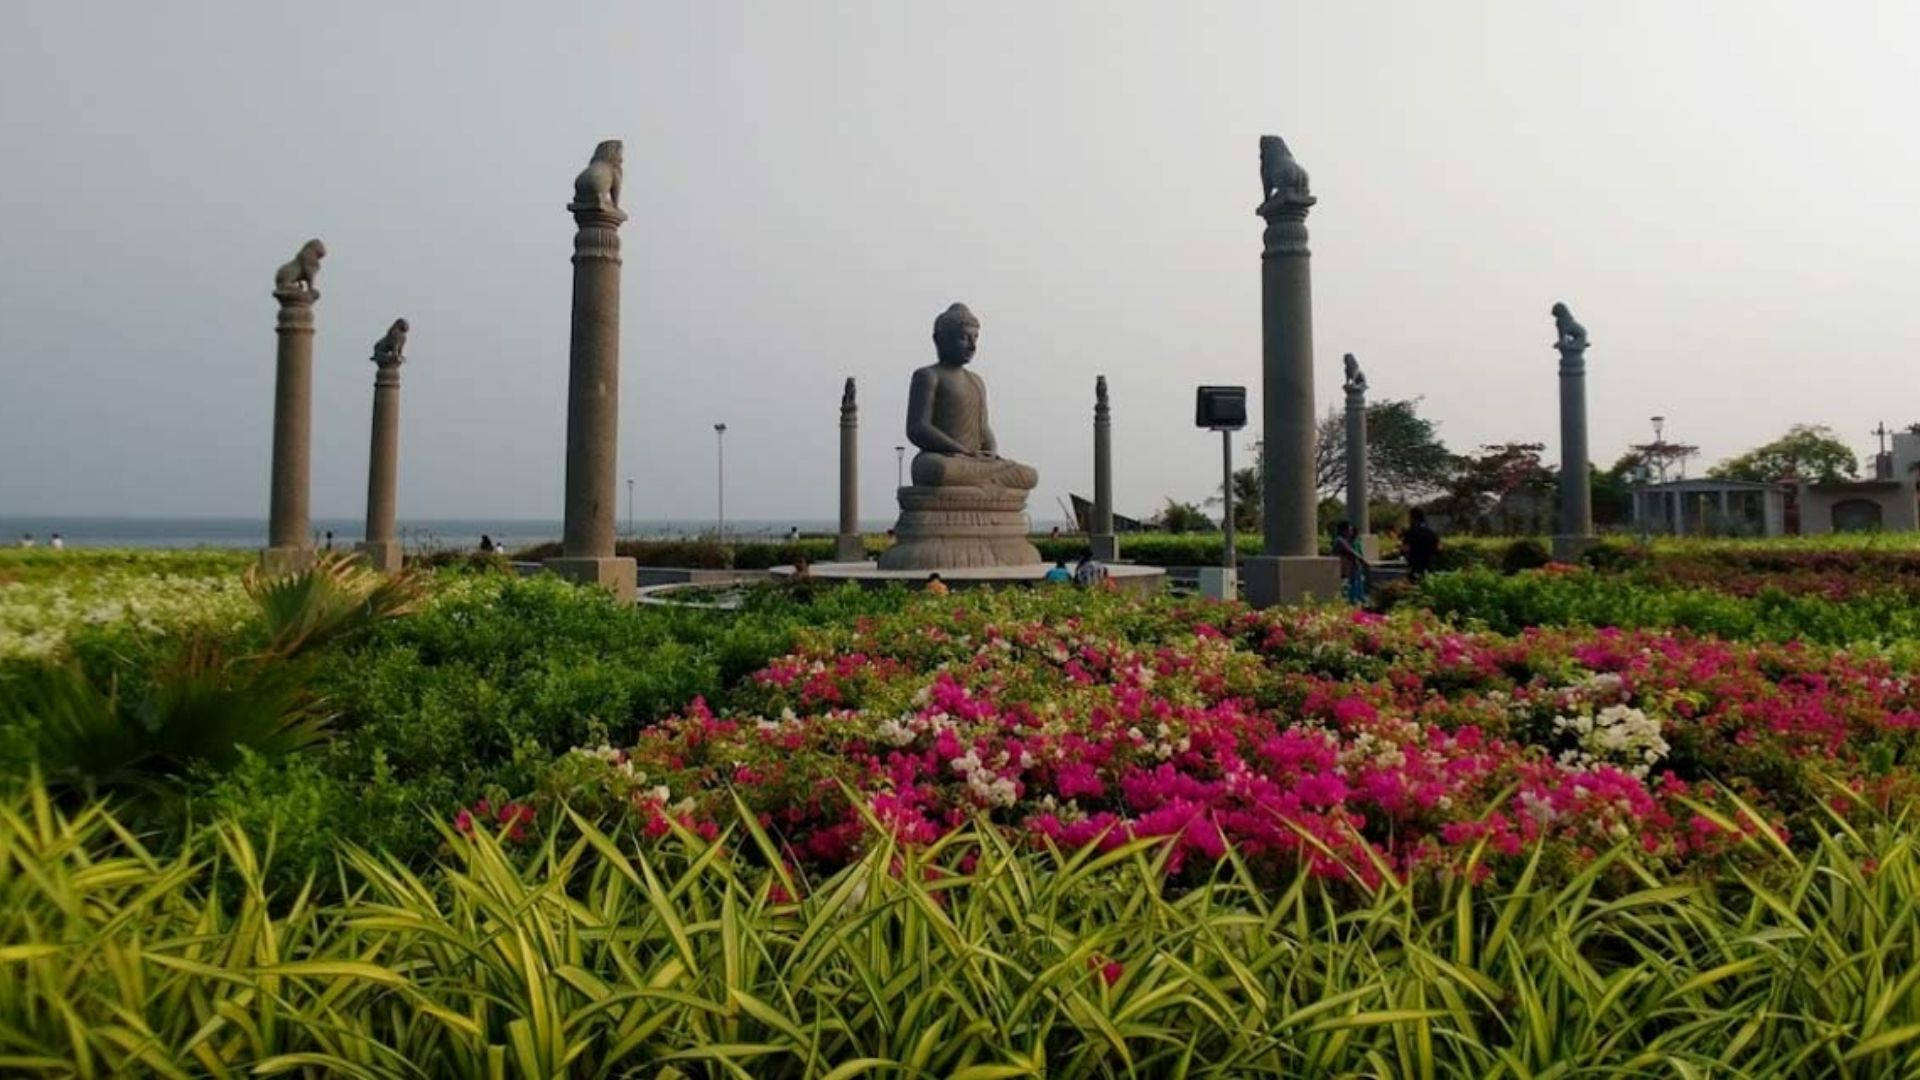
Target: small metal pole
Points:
(1226, 466)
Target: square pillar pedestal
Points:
(1571, 549)
(612, 573)
(849, 547)
(1219, 583)
(1370, 547)
(1105, 547)
(1267, 581)
(278, 561)
(381, 555)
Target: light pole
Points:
(720, 471)
(899, 466)
(629, 507)
(1659, 437)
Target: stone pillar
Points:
(593, 381)
(1576, 487)
(289, 539)
(381, 548)
(1289, 568)
(1357, 494)
(1100, 536)
(848, 546)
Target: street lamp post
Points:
(720, 471)
(899, 466)
(629, 507)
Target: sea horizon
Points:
(217, 531)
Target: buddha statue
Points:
(967, 504)
(947, 415)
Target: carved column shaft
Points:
(1286, 386)
(1576, 492)
(288, 525)
(848, 545)
(383, 459)
(1101, 539)
(593, 385)
(1357, 461)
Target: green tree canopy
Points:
(1406, 460)
(1805, 452)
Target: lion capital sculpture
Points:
(598, 185)
(295, 277)
(1282, 181)
(1569, 335)
(392, 345)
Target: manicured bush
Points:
(1524, 554)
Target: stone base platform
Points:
(381, 555)
(1125, 576)
(1570, 548)
(1267, 581)
(614, 574)
(953, 528)
(279, 561)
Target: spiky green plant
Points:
(203, 704)
(599, 954)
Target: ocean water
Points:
(222, 532)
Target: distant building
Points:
(1710, 507)
(1889, 501)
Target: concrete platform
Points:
(1125, 575)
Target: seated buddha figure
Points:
(947, 416)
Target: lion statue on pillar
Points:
(295, 277)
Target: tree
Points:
(1246, 496)
(1501, 483)
(1179, 517)
(1658, 456)
(1805, 452)
(1406, 460)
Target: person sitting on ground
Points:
(26, 540)
(1090, 572)
(1353, 565)
(57, 543)
(1420, 545)
(1058, 574)
(486, 544)
(935, 586)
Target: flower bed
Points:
(1359, 745)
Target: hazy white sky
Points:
(1724, 193)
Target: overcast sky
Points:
(1724, 193)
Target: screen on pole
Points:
(1221, 408)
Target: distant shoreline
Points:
(245, 533)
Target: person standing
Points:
(1353, 565)
(57, 543)
(26, 540)
(1420, 544)
(486, 544)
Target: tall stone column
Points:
(1104, 544)
(593, 381)
(849, 546)
(1357, 494)
(1576, 488)
(1289, 568)
(381, 548)
(289, 532)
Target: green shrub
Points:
(1524, 554)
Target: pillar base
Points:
(1370, 547)
(1105, 547)
(612, 573)
(1270, 580)
(1570, 549)
(381, 555)
(279, 561)
(849, 547)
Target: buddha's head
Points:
(956, 334)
